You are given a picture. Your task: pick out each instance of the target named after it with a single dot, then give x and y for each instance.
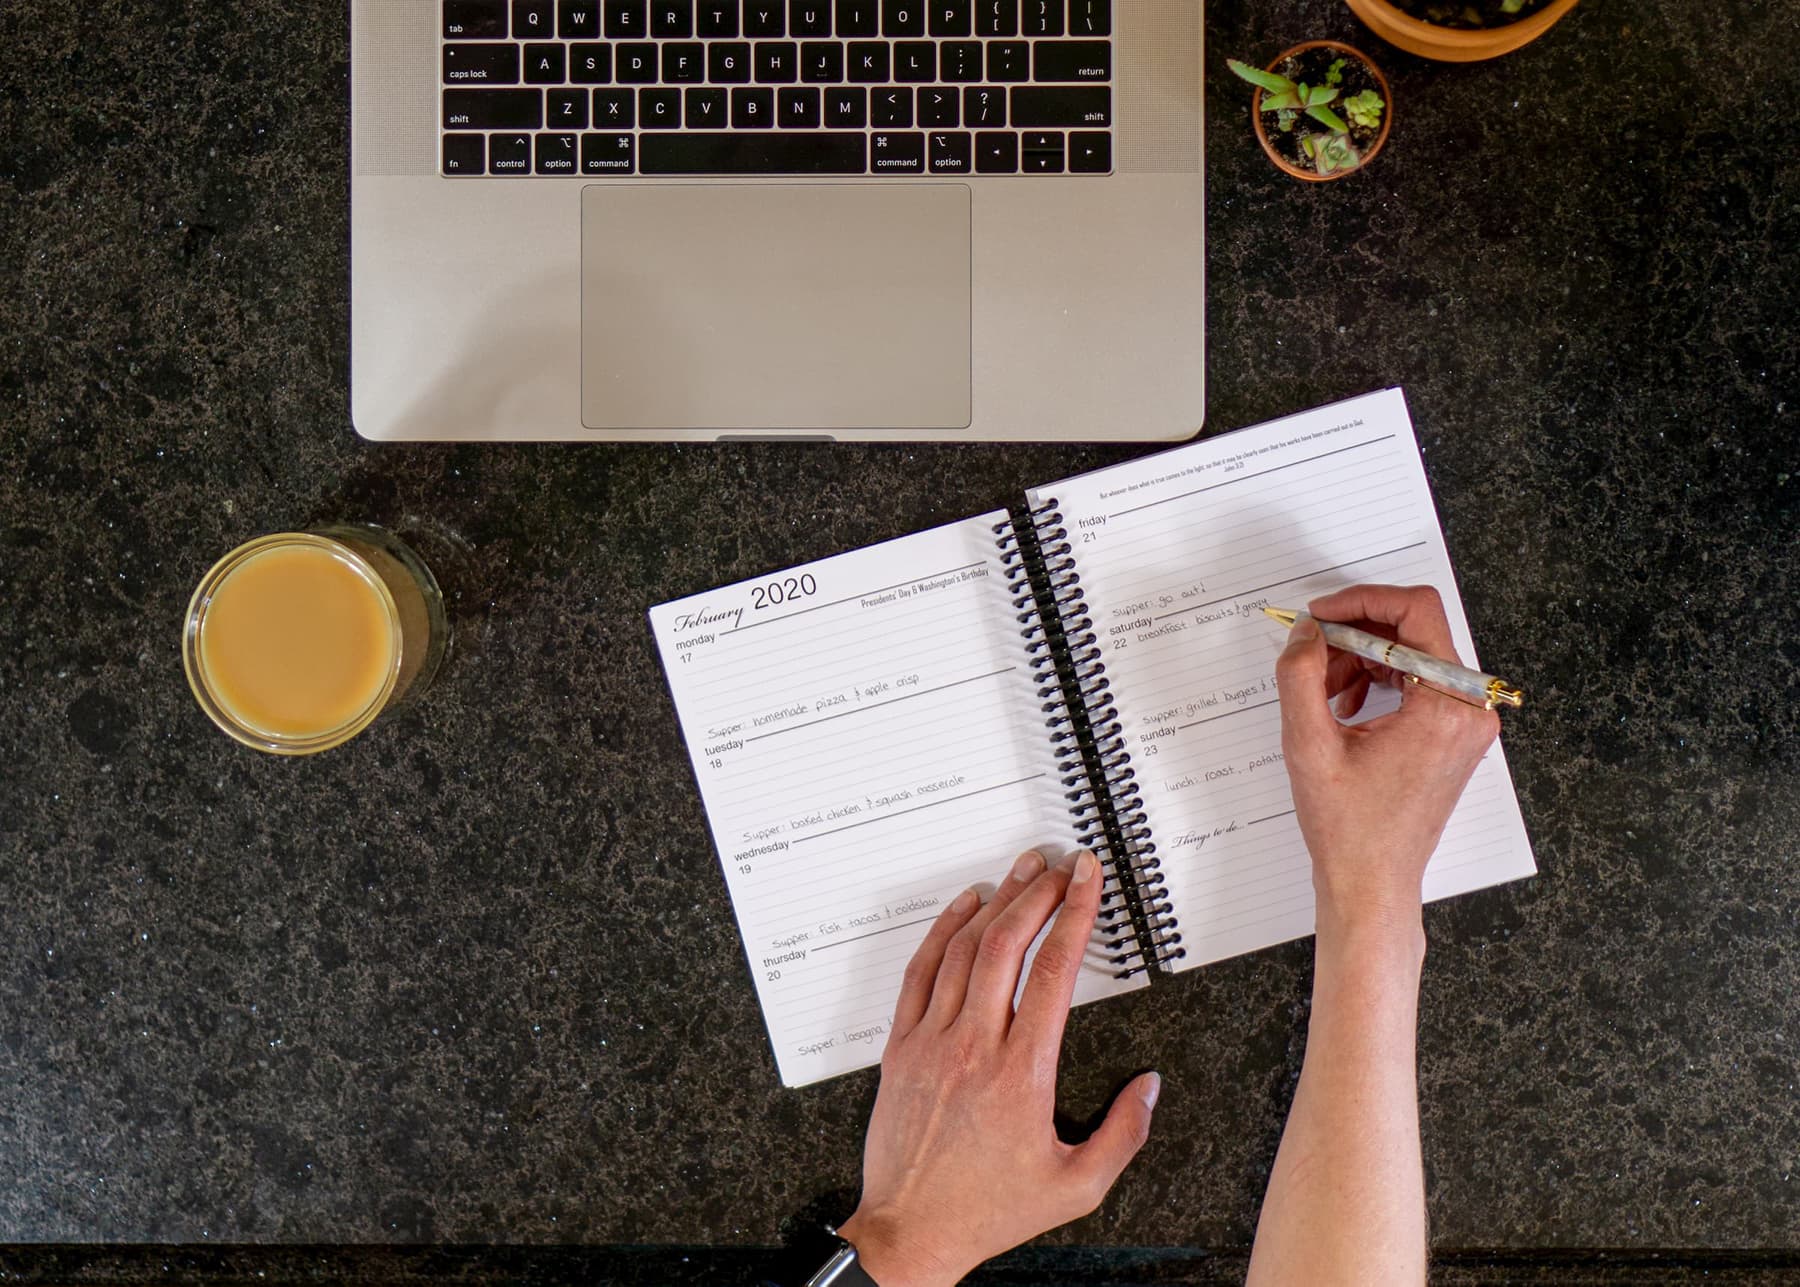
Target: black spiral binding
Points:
(1096, 773)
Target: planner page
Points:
(869, 743)
(1178, 553)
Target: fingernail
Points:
(1150, 1090)
(1305, 631)
(965, 901)
(1027, 865)
(1085, 867)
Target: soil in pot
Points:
(1469, 15)
(1316, 67)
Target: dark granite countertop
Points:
(474, 977)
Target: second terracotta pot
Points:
(1450, 44)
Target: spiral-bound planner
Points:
(1090, 667)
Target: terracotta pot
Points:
(1447, 44)
(1387, 112)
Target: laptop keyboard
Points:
(602, 88)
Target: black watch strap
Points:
(844, 1269)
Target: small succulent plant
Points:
(1333, 151)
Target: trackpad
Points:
(747, 307)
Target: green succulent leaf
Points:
(1334, 75)
(1260, 78)
(1283, 101)
(1511, 6)
(1333, 153)
(1287, 119)
(1316, 95)
(1365, 109)
(1329, 119)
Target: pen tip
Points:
(1285, 616)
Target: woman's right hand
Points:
(1372, 799)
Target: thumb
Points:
(1306, 718)
(1110, 1149)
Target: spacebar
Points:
(752, 153)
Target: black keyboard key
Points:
(465, 154)
(566, 109)
(546, 64)
(765, 18)
(897, 153)
(672, 19)
(707, 109)
(684, 62)
(950, 17)
(1090, 17)
(950, 152)
(777, 63)
(614, 109)
(997, 153)
(1043, 17)
(868, 62)
(809, 17)
(659, 109)
(533, 19)
(590, 64)
(493, 109)
(959, 61)
(728, 63)
(509, 154)
(1009, 60)
(752, 109)
(891, 108)
(696, 153)
(846, 108)
(578, 19)
(938, 107)
(1041, 153)
(556, 154)
(996, 17)
(984, 107)
(797, 109)
(1090, 152)
(1072, 60)
(1061, 105)
(821, 62)
(915, 61)
(717, 19)
(635, 64)
(903, 17)
(474, 19)
(627, 19)
(606, 154)
(857, 18)
(481, 64)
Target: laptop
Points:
(635, 220)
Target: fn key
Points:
(465, 154)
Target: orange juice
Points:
(296, 642)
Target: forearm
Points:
(1346, 1200)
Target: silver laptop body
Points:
(526, 265)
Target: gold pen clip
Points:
(1498, 694)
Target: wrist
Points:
(1375, 933)
(890, 1256)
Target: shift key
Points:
(1061, 106)
(493, 109)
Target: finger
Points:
(1044, 1007)
(952, 981)
(1110, 1149)
(1350, 701)
(1414, 612)
(1306, 720)
(995, 979)
(922, 970)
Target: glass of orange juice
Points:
(295, 642)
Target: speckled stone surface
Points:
(474, 977)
